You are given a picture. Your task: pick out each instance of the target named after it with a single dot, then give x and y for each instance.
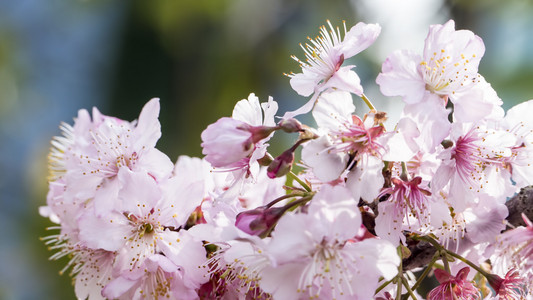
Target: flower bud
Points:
(260, 220)
(265, 160)
(281, 164)
(259, 132)
(446, 144)
(307, 134)
(226, 141)
(290, 125)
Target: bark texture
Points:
(421, 252)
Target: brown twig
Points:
(421, 252)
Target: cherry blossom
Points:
(353, 217)
(518, 122)
(453, 287)
(324, 258)
(325, 55)
(323, 70)
(158, 278)
(92, 153)
(237, 143)
(406, 200)
(350, 143)
(508, 288)
(448, 65)
(514, 250)
(447, 69)
(472, 164)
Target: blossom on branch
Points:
(365, 205)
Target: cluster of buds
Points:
(240, 223)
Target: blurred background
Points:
(199, 57)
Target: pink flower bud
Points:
(290, 125)
(226, 142)
(259, 132)
(260, 220)
(281, 164)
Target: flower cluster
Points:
(241, 224)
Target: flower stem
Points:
(426, 271)
(409, 290)
(405, 173)
(301, 182)
(443, 251)
(368, 102)
(383, 285)
(445, 261)
(471, 264)
(399, 276)
(295, 194)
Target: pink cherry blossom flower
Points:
(318, 254)
(471, 165)
(454, 287)
(157, 278)
(120, 144)
(237, 143)
(347, 134)
(514, 250)
(406, 200)
(518, 122)
(351, 143)
(63, 147)
(146, 223)
(62, 211)
(511, 287)
(236, 269)
(449, 64)
(90, 269)
(91, 154)
(481, 220)
(325, 56)
(323, 70)
(448, 69)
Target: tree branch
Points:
(421, 252)
(518, 204)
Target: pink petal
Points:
(366, 179)
(304, 83)
(358, 38)
(399, 77)
(248, 111)
(106, 232)
(118, 287)
(333, 109)
(148, 129)
(442, 276)
(431, 118)
(345, 80)
(327, 166)
(156, 163)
